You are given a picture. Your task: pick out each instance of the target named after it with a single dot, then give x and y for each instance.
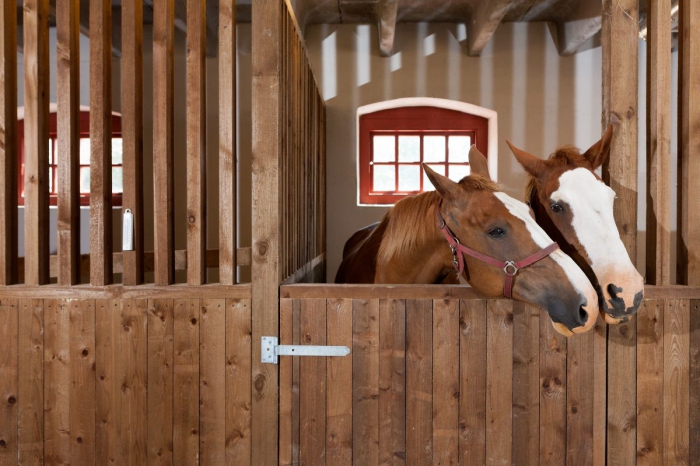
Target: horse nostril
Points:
(582, 315)
(614, 290)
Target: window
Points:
(393, 142)
(84, 176)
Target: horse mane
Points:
(412, 220)
(564, 155)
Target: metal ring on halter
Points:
(510, 265)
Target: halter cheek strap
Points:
(510, 268)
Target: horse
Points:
(476, 228)
(575, 207)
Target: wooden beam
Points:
(580, 25)
(85, 27)
(212, 21)
(386, 20)
(658, 215)
(485, 18)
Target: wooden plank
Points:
(650, 382)
(115, 292)
(212, 382)
(620, 82)
(227, 142)
(600, 362)
(499, 381)
(296, 382)
(339, 391)
(132, 133)
(186, 381)
(472, 382)
(31, 382)
(238, 389)
(312, 397)
(107, 390)
(688, 264)
(8, 144)
(160, 381)
(196, 141)
(526, 384)
(163, 140)
(392, 382)
(694, 376)
(676, 402)
(9, 381)
(580, 388)
(419, 382)
(622, 389)
(365, 383)
(82, 381)
(658, 91)
(286, 382)
(101, 142)
(445, 381)
(552, 394)
(57, 366)
(36, 120)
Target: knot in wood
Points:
(11, 399)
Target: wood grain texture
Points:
(312, 398)
(8, 144)
(580, 388)
(57, 365)
(694, 380)
(101, 142)
(392, 382)
(658, 91)
(650, 382)
(36, 120)
(161, 320)
(620, 82)
(9, 380)
(526, 384)
(132, 133)
(31, 381)
(227, 142)
(286, 427)
(365, 386)
(238, 389)
(107, 389)
(445, 381)
(622, 390)
(419, 381)
(339, 392)
(472, 382)
(600, 362)
(552, 394)
(499, 382)
(688, 264)
(212, 382)
(163, 140)
(676, 382)
(321, 290)
(121, 292)
(82, 381)
(186, 381)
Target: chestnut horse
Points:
(575, 207)
(478, 228)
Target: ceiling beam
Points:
(582, 23)
(485, 18)
(386, 22)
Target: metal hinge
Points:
(270, 350)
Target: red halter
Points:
(509, 267)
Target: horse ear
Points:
(600, 151)
(445, 186)
(478, 163)
(535, 166)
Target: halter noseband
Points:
(510, 268)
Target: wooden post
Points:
(658, 244)
(36, 131)
(689, 144)
(8, 143)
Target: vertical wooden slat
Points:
(622, 393)
(160, 381)
(499, 382)
(339, 391)
(82, 381)
(419, 382)
(212, 383)
(107, 390)
(445, 381)
(186, 381)
(31, 382)
(57, 364)
(694, 376)
(472, 381)
(526, 384)
(365, 390)
(312, 399)
(296, 382)
(580, 388)
(36, 131)
(238, 389)
(552, 394)
(132, 133)
(163, 96)
(101, 142)
(227, 142)
(676, 381)
(688, 265)
(600, 355)
(658, 246)
(286, 425)
(8, 143)
(620, 82)
(392, 382)
(196, 141)
(9, 382)
(266, 268)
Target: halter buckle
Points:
(510, 268)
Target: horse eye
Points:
(496, 232)
(557, 208)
